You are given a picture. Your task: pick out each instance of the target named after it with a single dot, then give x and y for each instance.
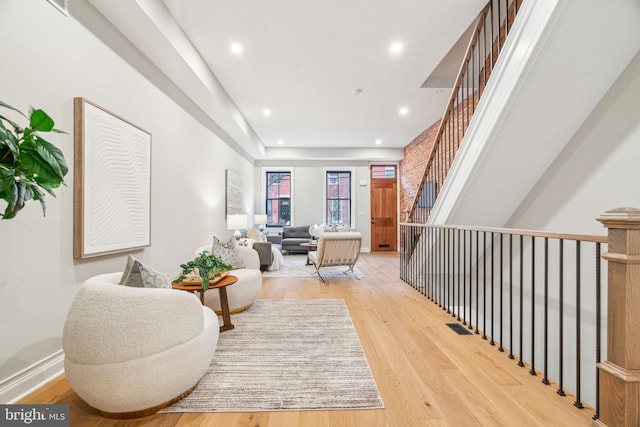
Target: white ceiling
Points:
(303, 60)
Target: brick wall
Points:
(416, 155)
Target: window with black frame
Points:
(338, 203)
(278, 203)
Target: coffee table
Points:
(312, 245)
(221, 284)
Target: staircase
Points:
(493, 25)
(533, 129)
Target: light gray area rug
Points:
(286, 355)
(294, 266)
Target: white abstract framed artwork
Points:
(112, 182)
(234, 192)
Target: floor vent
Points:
(459, 329)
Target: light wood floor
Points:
(427, 375)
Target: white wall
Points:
(48, 59)
(597, 170)
(308, 192)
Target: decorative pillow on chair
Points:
(138, 275)
(255, 234)
(228, 251)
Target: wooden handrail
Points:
(452, 98)
(499, 286)
(518, 232)
(461, 112)
(463, 67)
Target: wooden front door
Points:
(384, 208)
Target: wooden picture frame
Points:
(112, 183)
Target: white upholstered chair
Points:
(130, 352)
(243, 293)
(334, 249)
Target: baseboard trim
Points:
(24, 382)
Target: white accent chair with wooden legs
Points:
(335, 249)
(131, 351)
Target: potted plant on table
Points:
(204, 265)
(29, 165)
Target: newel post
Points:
(620, 373)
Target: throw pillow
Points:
(127, 269)
(228, 251)
(255, 234)
(139, 275)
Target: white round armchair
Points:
(132, 351)
(243, 293)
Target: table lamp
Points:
(260, 220)
(236, 222)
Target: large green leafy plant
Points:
(206, 265)
(30, 166)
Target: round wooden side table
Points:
(221, 284)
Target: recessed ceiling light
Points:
(236, 48)
(396, 47)
(378, 141)
(403, 111)
(280, 142)
(266, 112)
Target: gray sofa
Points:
(293, 237)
